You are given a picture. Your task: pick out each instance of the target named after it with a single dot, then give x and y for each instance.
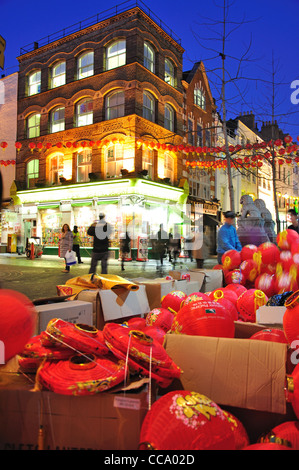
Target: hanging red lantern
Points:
(48, 145)
(69, 145)
(98, 143)
(288, 139)
(268, 253)
(285, 239)
(266, 283)
(173, 300)
(278, 142)
(39, 145)
(32, 146)
(231, 259)
(91, 143)
(282, 151)
(204, 318)
(83, 144)
(280, 161)
(249, 302)
(59, 144)
(18, 146)
(4, 145)
(190, 421)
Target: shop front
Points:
(137, 206)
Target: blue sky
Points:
(271, 27)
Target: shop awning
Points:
(48, 206)
(81, 204)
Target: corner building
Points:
(100, 123)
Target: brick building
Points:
(101, 119)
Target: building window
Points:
(149, 57)
(117, 158)
(84, 165)
(199, 182)
(33, 126)
(32, 171)
(34, 83)
(165, 166)
(85, 65)
(169, 118)
(169, 72)
(199, 140)
(199, 98)
(208, 138)
(148, 106)
(116, 54)
(190, 132)
(56, 168)
(57, 120)
(147, 161)
(115, 105)
(58, 75)
(84, 113)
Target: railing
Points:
(104, 15)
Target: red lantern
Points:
(190, 421)
(288, 139)
(272, 334)
(18, 146)
(286, 260)
(39, 146)
(32, 146)
(173, 300)
(267, 446)
(266, 283)
(160, 317)
(17, 322)
(69, 144)
(223, 293)
(204, 318)
(292, 391)
(136, 323)
(240, 433)
(195, 296)
(249, 269)
(248, 251)
(231, 259)
(286, 238)
(286, 433)
(48, 145)
(234, 277)
(158, 334)
(291, 318)
(285, 280)
(268, 253)
(4, 145)
(91, 143)
(237, 288)
(249, 302)
(59, 145)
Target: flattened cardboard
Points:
(231, 371)
(268, 315)
(73, 311)
(210, 279)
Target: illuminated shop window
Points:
(58, 76)
(34, 83)
(115, 105)
(165, 166)
(147, 161)
(57, 121)
(33, 126)
(116, 54)
(56, 168)
(84, 165)
(85, 65)
(32, 173)
(117, 158)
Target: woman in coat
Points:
(66, 244)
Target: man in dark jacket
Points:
(101, 232)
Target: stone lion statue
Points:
(249, 209)
(267, 216)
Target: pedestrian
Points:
(161, 245)
(227, 236)
(201, 247)
(174, 247)
(77, 242)
(65, 244)
(124, 248)
(294, 220)
(101, 233)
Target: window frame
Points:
(169, 121)
(149, 112)
(59, 121)
(199, 98)
(89, 66)
(120, 55)
(169, 72)
(57, 172)
(149, 62)
(86, 165)
(118, 109)
(36, 126)
(86, 114)
(32, 86)
(58, 76)
(35, 172)
(117, 155)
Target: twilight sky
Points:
(269, 28)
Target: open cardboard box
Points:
(106, 421)
(209, 279)
(268, 315)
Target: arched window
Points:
(148, 106)
(85, 65)
(117, 157)
(149, 57)
(84, 112)
(115, 105)
(32, 173)
(57, 122)
(116, 54)
(147, 161)
(34, 83)
(165, 166)
(33, 126)
(58, 74)
(84, 165)
(169, 72)
(56, 168)
(169, 117)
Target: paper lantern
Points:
(266, 283)
(17, 322)
(239, 431)
(136, 322)
(156, 333)
(248, 251)
(221, 293)
(81, 338)
(160, 317)
(173, 300)
(234, 277)
(267, 446)
(186, 420)
(285, 239)
(271, 334)
(195, 296)
(204, 318)
(249, 302)
(231, 259)
(35, 348)
(285, 280)
(237, 288)
(229, 306)
(292, 390)
(81, 375)
(249, 269)
(269, 253)
(291, 318)
(286, 259)
(286, 434)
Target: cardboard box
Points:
(188, 287)
(209, 279)
(106, 421)
(74, 311)
(236, 372)
(155, 289)
(268, 315)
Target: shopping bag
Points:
(70, 258)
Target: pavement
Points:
(38, 278)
